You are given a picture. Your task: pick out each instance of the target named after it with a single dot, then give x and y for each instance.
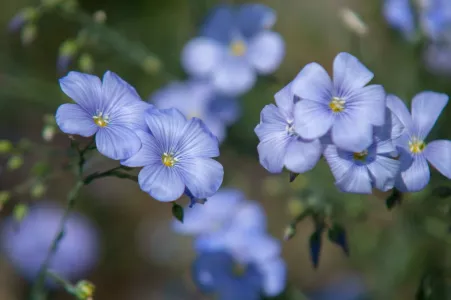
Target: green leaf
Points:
(177, 211)
(441, 192)
(394, 199)
(337, 235)
(293, 176)
(315, 246)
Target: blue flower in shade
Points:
(280, 145)
(437, 58)
(198, 99)
(435, 18)
(112, 110)
(400, 15)
(414, 153)
(234, 45)
(339, 105)
(375, 167)
(176, 154)
(26, 244)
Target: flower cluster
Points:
(236, 258)
(175, 153)
(368, 139)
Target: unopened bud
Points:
(99, 16)
(14, 162)
(151, 65)
(86, 63)
(48, 132)
(38, 190)
(4, 197)
(29, 34)
(20, 212)
(289, 232)
(84, 290)
(5, 146)
(353, 22)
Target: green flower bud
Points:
(14, 162)
(5, 146)
(151, 65)
(20, 212)
(38, 190)
(84, 290)
(99, 17)
(48, 132)
(86, 63)
(29, 34)
(4, 197)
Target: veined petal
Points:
(438, 153)
(349, 74)
(167, 126)
(266, 51)
(132, 115)
(84, 89)
(220, 24)
(253, 18)
(370, 102)
(274, 276)
(117, 142)
(116, 94)
(349, 136)
(216, 127)
(149, 153)
(160, 182)
(202, 176)
(301, 156)
(426, 108)
(385, 147)
(313, 83)
(196, 140)
(356, 180)
(234, 76)
(201, 56)
(73, 119)
(285, 99)
(399, 109)
(384, 171)
(312, 120)
(337, 163)
(414, 174)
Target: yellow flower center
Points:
(361, 156)
(168, 160)
(416, 145)
(337, 104)
(238, 48)
(100, 119)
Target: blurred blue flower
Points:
(348, 288)
(339, 105)
(198, 99)
(176, 154)
(400, 15)
(435, 18)
(234, 45)
(27, 243)
(414, 153)
(280, 145)
(111, 110)
(437, 58)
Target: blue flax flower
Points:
(280, 145)
(26, 244)
(414, 153)
(199, 99)
(234, 45)
(400, 15)
(374, 167)
(176, 154)
(435, 18)
(345, 107)
(112, 110)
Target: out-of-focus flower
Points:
(414, 153)
(400, 15)
(435, 18)
(437, 58)
(27, 247)
(27, 14)
(67, 51)
(199, 99)
(176, 154)
(280, 145)
(353, 22)
(347, 288)
(234, 46)
(112, 110)
(339, 105)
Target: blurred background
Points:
(140, 256)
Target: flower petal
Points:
(202, 176)
(399, 109)
(301, 156)
(196, 140)
(149, 153)
(285, 99)
(73, 119)
(266, 51)
(347, 136)
(117, 142)
(220, 24)
(216, 127)
(227, 108)
(132, 115)
(337, 162)
(167, 126)
(234, 77)
(399, 14)
(356, 180)
(160, 182)
(438, 153)
(349, 74)
(384, 171)
(117, 94)
(369, 101)
(312, 119)
(426, 108)
(414, 174)
(274, 276)
(253, 18)
(201, 56)
(84, 89)
(313, 83)
(209, 269)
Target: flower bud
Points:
(14, 162)
(86, 63)
(5, 146)
(29, 34)
(84, 290)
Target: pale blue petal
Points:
(216, 126)
(438, 153)
(385, 147)
(234, 76)
(274, 276)
(201, 56)
(220, 24)
(249, 218)
(253, 18)
(285, 99)
(392, 128)
(347, 135)
(227, 108)
(149, 153)
(117, 142)
(349, 74)
(399, 109)
(384, 171)
(202, 176)
(131, 115)
(210, 269)
(312, 119)
(167, 126)
(426, 108)
(414, 174)
(370, 102)
(338, 164)
(257, 248)
(84, 89)
(266, 51)
(196, 140)
(73, 119)
(302, 156)
(313, 83)
(160, 182)
(356, 180)
(399, 14)
(116, 94)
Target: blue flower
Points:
(27, 247)
(235, 45)
(414, 153)
(400, 15)
(435, 18)
(112, 110)
(437, 58)
(339, 105)
(280, 145)
(176, 154)
(198, 99)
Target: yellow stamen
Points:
(101, 120)
(416, 145)
(168, 160)
(238, 48)
(337, 104)
(360, 155)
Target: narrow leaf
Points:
(394, 199)
(337, 235)
(315, 247)
(177, 211)
(293, 176)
